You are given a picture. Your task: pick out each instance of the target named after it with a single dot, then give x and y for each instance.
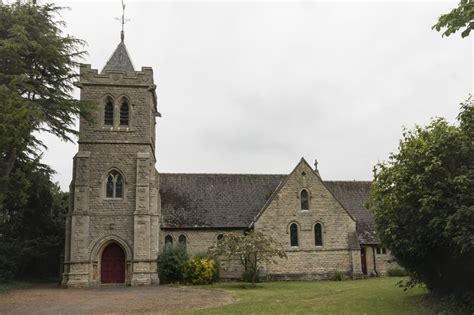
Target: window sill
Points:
(113, 199)
(117, 129)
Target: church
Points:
(123, 211)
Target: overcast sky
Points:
(251, 87)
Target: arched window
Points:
(220, 237)
(182, 240)
(304, 199)
(114, 185)
(318, 235)
(109, 113)
(168, 240)
(294, 234)
(124, 113)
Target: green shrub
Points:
(422, 199)
(247, 276)
(337, 276)
(8, 265)
(397, 272)
(451, 303)
(199, 270)
(170, 264)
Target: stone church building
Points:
(123, 211)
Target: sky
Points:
(251, 87)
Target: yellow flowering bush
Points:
(200, 270)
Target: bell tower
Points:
(112, 228)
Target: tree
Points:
(32, 229)
(251, 249)
(423, 200)
(460, 18)
(37, 72)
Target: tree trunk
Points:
(7, 163)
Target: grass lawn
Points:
(370, 296)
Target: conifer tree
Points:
(37, 71)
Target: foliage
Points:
(338, 276)
(452, 303)
(32, 230)
(171, 262)
(199, 270)
(423, 202)
(8, 266)
(397, 272)
(37, 71)
(251, 276)
(217, 265)
(252, 250)
(460, 18)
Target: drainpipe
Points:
(375, 265)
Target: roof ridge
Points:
(259, 174)
(348, 181)
(224, 174)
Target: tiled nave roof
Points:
(234, 200)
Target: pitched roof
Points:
(353, 195)
(214, 200)
(120, 60)
(234, 200)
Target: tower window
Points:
(109, 113)
(294, 235)
(114, 185)
(304, 199)
(318, 235)
(124, 110)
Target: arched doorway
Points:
(112, 264)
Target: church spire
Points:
(120, 60)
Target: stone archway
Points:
(112, 264)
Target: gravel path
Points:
(110, 300)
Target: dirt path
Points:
(109, 300)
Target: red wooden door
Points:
(363, 261)
(112, 266)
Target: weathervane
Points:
(122, 20)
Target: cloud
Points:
(252, 87)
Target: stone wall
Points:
(378, 264)
(131, 221)
(340, 249)
(199, 241)
(384, 263)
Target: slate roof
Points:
(353, 195)
(234, 200)
(214, 200)
(120, 60)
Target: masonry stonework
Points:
(118, 200)
(132, 219)
(339, 237)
